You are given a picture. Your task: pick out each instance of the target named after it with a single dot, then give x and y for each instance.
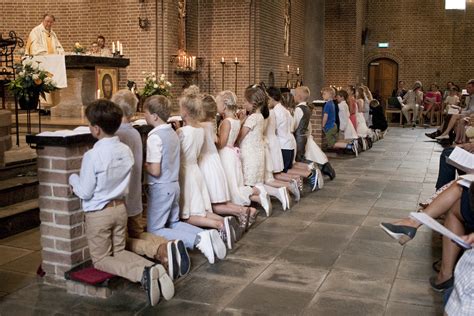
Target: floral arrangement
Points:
(31, 80)
(78, 48)
(154, 86)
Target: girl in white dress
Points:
(347, 131)
(252, 145)
(195, 203)
(362, 129)
(213, 171)
(230, 157)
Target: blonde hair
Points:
(228, 98)
(209, 107)
(328, 90)
(127, 101)
(159, 105)
(304, 92)
(191, 100)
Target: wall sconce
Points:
(143, 23)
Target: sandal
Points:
(253, 219)
(243, 219)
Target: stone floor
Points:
(324, 257)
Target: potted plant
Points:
(78, 49)
(154, 86)
(30, 83)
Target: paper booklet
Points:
(461, 159)
(466, 180)
(424, 219)
(66, 132)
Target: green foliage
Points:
(154, 86)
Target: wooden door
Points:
(383, 77)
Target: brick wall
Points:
(429, 43)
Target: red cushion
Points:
(90, 276)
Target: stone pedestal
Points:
(5, 137)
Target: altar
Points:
(88, 78)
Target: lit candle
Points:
(236, 60)
(113, 47)
(118, 45)
(98, 93)
(298, 70)
(288, 68)
(121, 49)
(222, 60)
(194, 63)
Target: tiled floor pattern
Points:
(324, 257)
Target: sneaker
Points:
(287, 199)
(281, 196)
(355, 149)
(329, 171)
(313, 180)
(237, 231)
(173, 266)
(320, 179)
(228, 233)
(264, 200)
(182, 256)
(205, 246)
(150, 284)
(243, 220)
(164, 282)
(217, 244)
(294, 190)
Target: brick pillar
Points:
(5, 137)
(317, 126)
(62, 220)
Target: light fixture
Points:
(455, 4)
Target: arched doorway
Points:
(383, 77)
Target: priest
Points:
(43, 40)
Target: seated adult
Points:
(466, 112)
(400, 91)
(431, 102)
(412, 101)
(102, 49)
(455, 203)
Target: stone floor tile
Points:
(340, 218)
(368, 265)
(389, 212)
(322, 259)
(335, 305)
(270, 300)
(397, 309)
(178, 307)
(346, 283)
(9, 254)
(374, 248)
(29, 239)
(373, 233)
(296, 277)
(414, 292)
(27, 264)
(283, 224)
(241, 270)
(271, 238)
(13, 281)
(397, 204)
(413, 270)
(254, 251)
(421, 253)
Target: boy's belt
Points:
(114, 203)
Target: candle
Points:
(288, 68)
(121, 49)
(118, 45)
(98, 93)
(194, 63)
(222, 60)
(113, 47)
(298, 70)
(236, 61)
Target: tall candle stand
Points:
(298, 82)
(223, 69)
(236, 63)
(288, 82)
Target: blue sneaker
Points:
(313, 180)
(184, 262)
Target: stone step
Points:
(18, 189)
(14, 169)
(19, 217)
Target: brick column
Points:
(5, 137)
(62, 220)
(316, 125)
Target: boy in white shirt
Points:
(102, 185)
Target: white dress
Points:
(252, 149)
(194, 199)
(211, 167)
(312, 150)
(346, 127)
(230, 159)
(273, 143)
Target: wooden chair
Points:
(393, 107)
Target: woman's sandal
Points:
(244, 219)
(252, 218)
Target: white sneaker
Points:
(229, 232)
(165, 283)
(205, 245)
(217, 244)
(320, 179)
(264, 200)
(235, 229)
(294, 189)
(282, 198)
(288, 199)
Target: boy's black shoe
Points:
(328, 170)
(434, 134)
(150, 284)
(184, 262)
